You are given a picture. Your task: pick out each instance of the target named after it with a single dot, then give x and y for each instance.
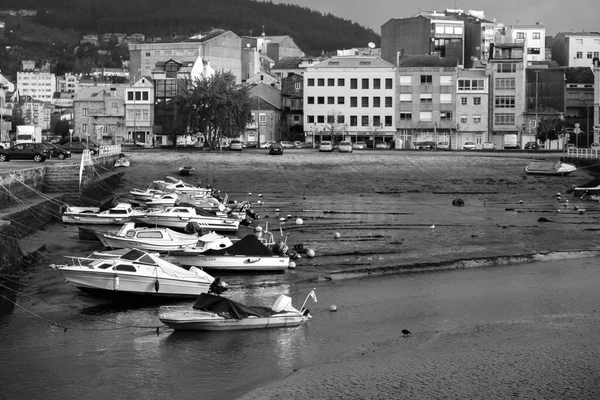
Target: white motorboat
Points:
(554, 168)
(215, 313)
(134, 273)
(246, 254)
(177, 185)
(103, 215)
(148, 239)
(179, 217)
(140, 195)
(121, 162)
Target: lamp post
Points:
(536, 109)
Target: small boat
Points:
(246, 254)
(177, 185)
(186, 171)
(148, 239)
(121, 162)
(105, 214)
(554, 168)
(178, 218)
(134, 272)
(215, 313)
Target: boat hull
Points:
(115, 242)
(231, 262)
(194, 320)
(215, 224)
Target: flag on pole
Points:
(313, 295)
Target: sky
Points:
(555, 15)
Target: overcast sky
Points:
(556, 16)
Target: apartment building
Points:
(576, 49)
(99, 115)
(38, 85)
(139, 112)
(472, 109)
(533, 38)
(350, 98)
(67, 83)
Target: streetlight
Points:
(536, 109)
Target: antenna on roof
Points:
(371, 47)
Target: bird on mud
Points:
(406, 332)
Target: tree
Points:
(62, 128)
(216, 107)
(549, 129)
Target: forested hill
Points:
(311, 30)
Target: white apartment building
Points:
(532, 36)
(576, 49)
(350, 98)
(36, 84)
(139, 112)
(472, 109)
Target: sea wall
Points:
(20, 184)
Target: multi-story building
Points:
(579, 101)
(288, 66)
(67, 83)
(429, 33)
(264, 77)
(472, 109)
(139, 112)
(350, 98)
(35, 112)
(223, 49)
(99, 115)
(36, 84)
(274, 47)
(533, 38)
(596, 101)
(292, 113)
(506, 71)
(427, 99)
(5, 115)
(479, 34)
(266, 116)
(576, 49)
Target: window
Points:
(330, 100)
(310, 100)
(262, 119)
(364, 120)
(506, 67)
(340, 119)
(445, 115)
(341, 81)
(353, 83)
(406, 80)
(579, 54)
(320, 119)
(376, 120)
(520, 35)
(353, 101)
(446, 80)
(388, 101)
(297, 86)
(376, 102)
(296, 118)
(130, 96)
(463, 101)
(83, 111)
(445, 98)
(589, 55)
(353, 120)
(341, 100)
(425, 116)
(330, 119)
(426, 79)
(476, 101)
(310, 119)
(504, 119)
(405, 97)
(535, 35)
(504, 101)
(471, 84)
(376, 83)
(310, 82)
(365, 83)
(426, 97)
(463, 119)
(84, 127)
(320, 100)
(596, 54)
(476, 119)
(505, 83)
(330, 81)
(405, 116)
(145, 96)
(578, 41)
(321, 82)
(533, 50)
(388, 120)
(364, 102)
(147, 54)
(388, 83)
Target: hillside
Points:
(62, 22)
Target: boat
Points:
(177, 185)
(121, 162)
(212, 312)
(148, 239)
(109, 213)
(554, 168)
(246, 254)
(178, 217)
(588, 191)
(134, 272)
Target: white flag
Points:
(313, 295)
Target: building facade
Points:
(292, 113)
(36, 84)
(99, 115)
(139, 113)
(533, 38)
(67, 83)
(472, 109)
(579, 102)
(576, 49)
(266, 115)
(350, 98)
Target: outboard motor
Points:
(195, 227)
(280, 248)
(293, 254)
(217, 287)
(252, 214)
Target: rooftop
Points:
(427, 61)
(353, 62)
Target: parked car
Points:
(79, 147)
(286, 144)
(443, 146)
(276, 149)
(299, 144)
(236, 145)
(37, 152)
(267, 144)
(345, 147)
(326, 146)
(488, 146)
(427, 145)
(381, 146)
(359, 145)
(469, 146)
(251, 144)
(531, 146)
(57, 152)
(595, 146)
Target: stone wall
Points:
(18, 184)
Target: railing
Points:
(109, 150)
(582, 153)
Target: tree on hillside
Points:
(216, 108)
(549, 129)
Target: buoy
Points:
(310, 253)
(332, 308)
(336, 235)
(258, 229)
(292, 265)
(249, 194)
(259, 202)
(156, 285)
(277, 210)
(289, 216)
(558, 198)
(520, 201)
(558, 194)
(260, 195)
(558, 211)
(116, 282)
(432, 226)
(576, 208)
(299, 221)
(566, 201)
(282, 219)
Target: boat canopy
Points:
(249, 245)
(229, 308)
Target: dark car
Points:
(276, 148)
(531, 146)
(79, 147)
(57, 152)
(37, 152)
